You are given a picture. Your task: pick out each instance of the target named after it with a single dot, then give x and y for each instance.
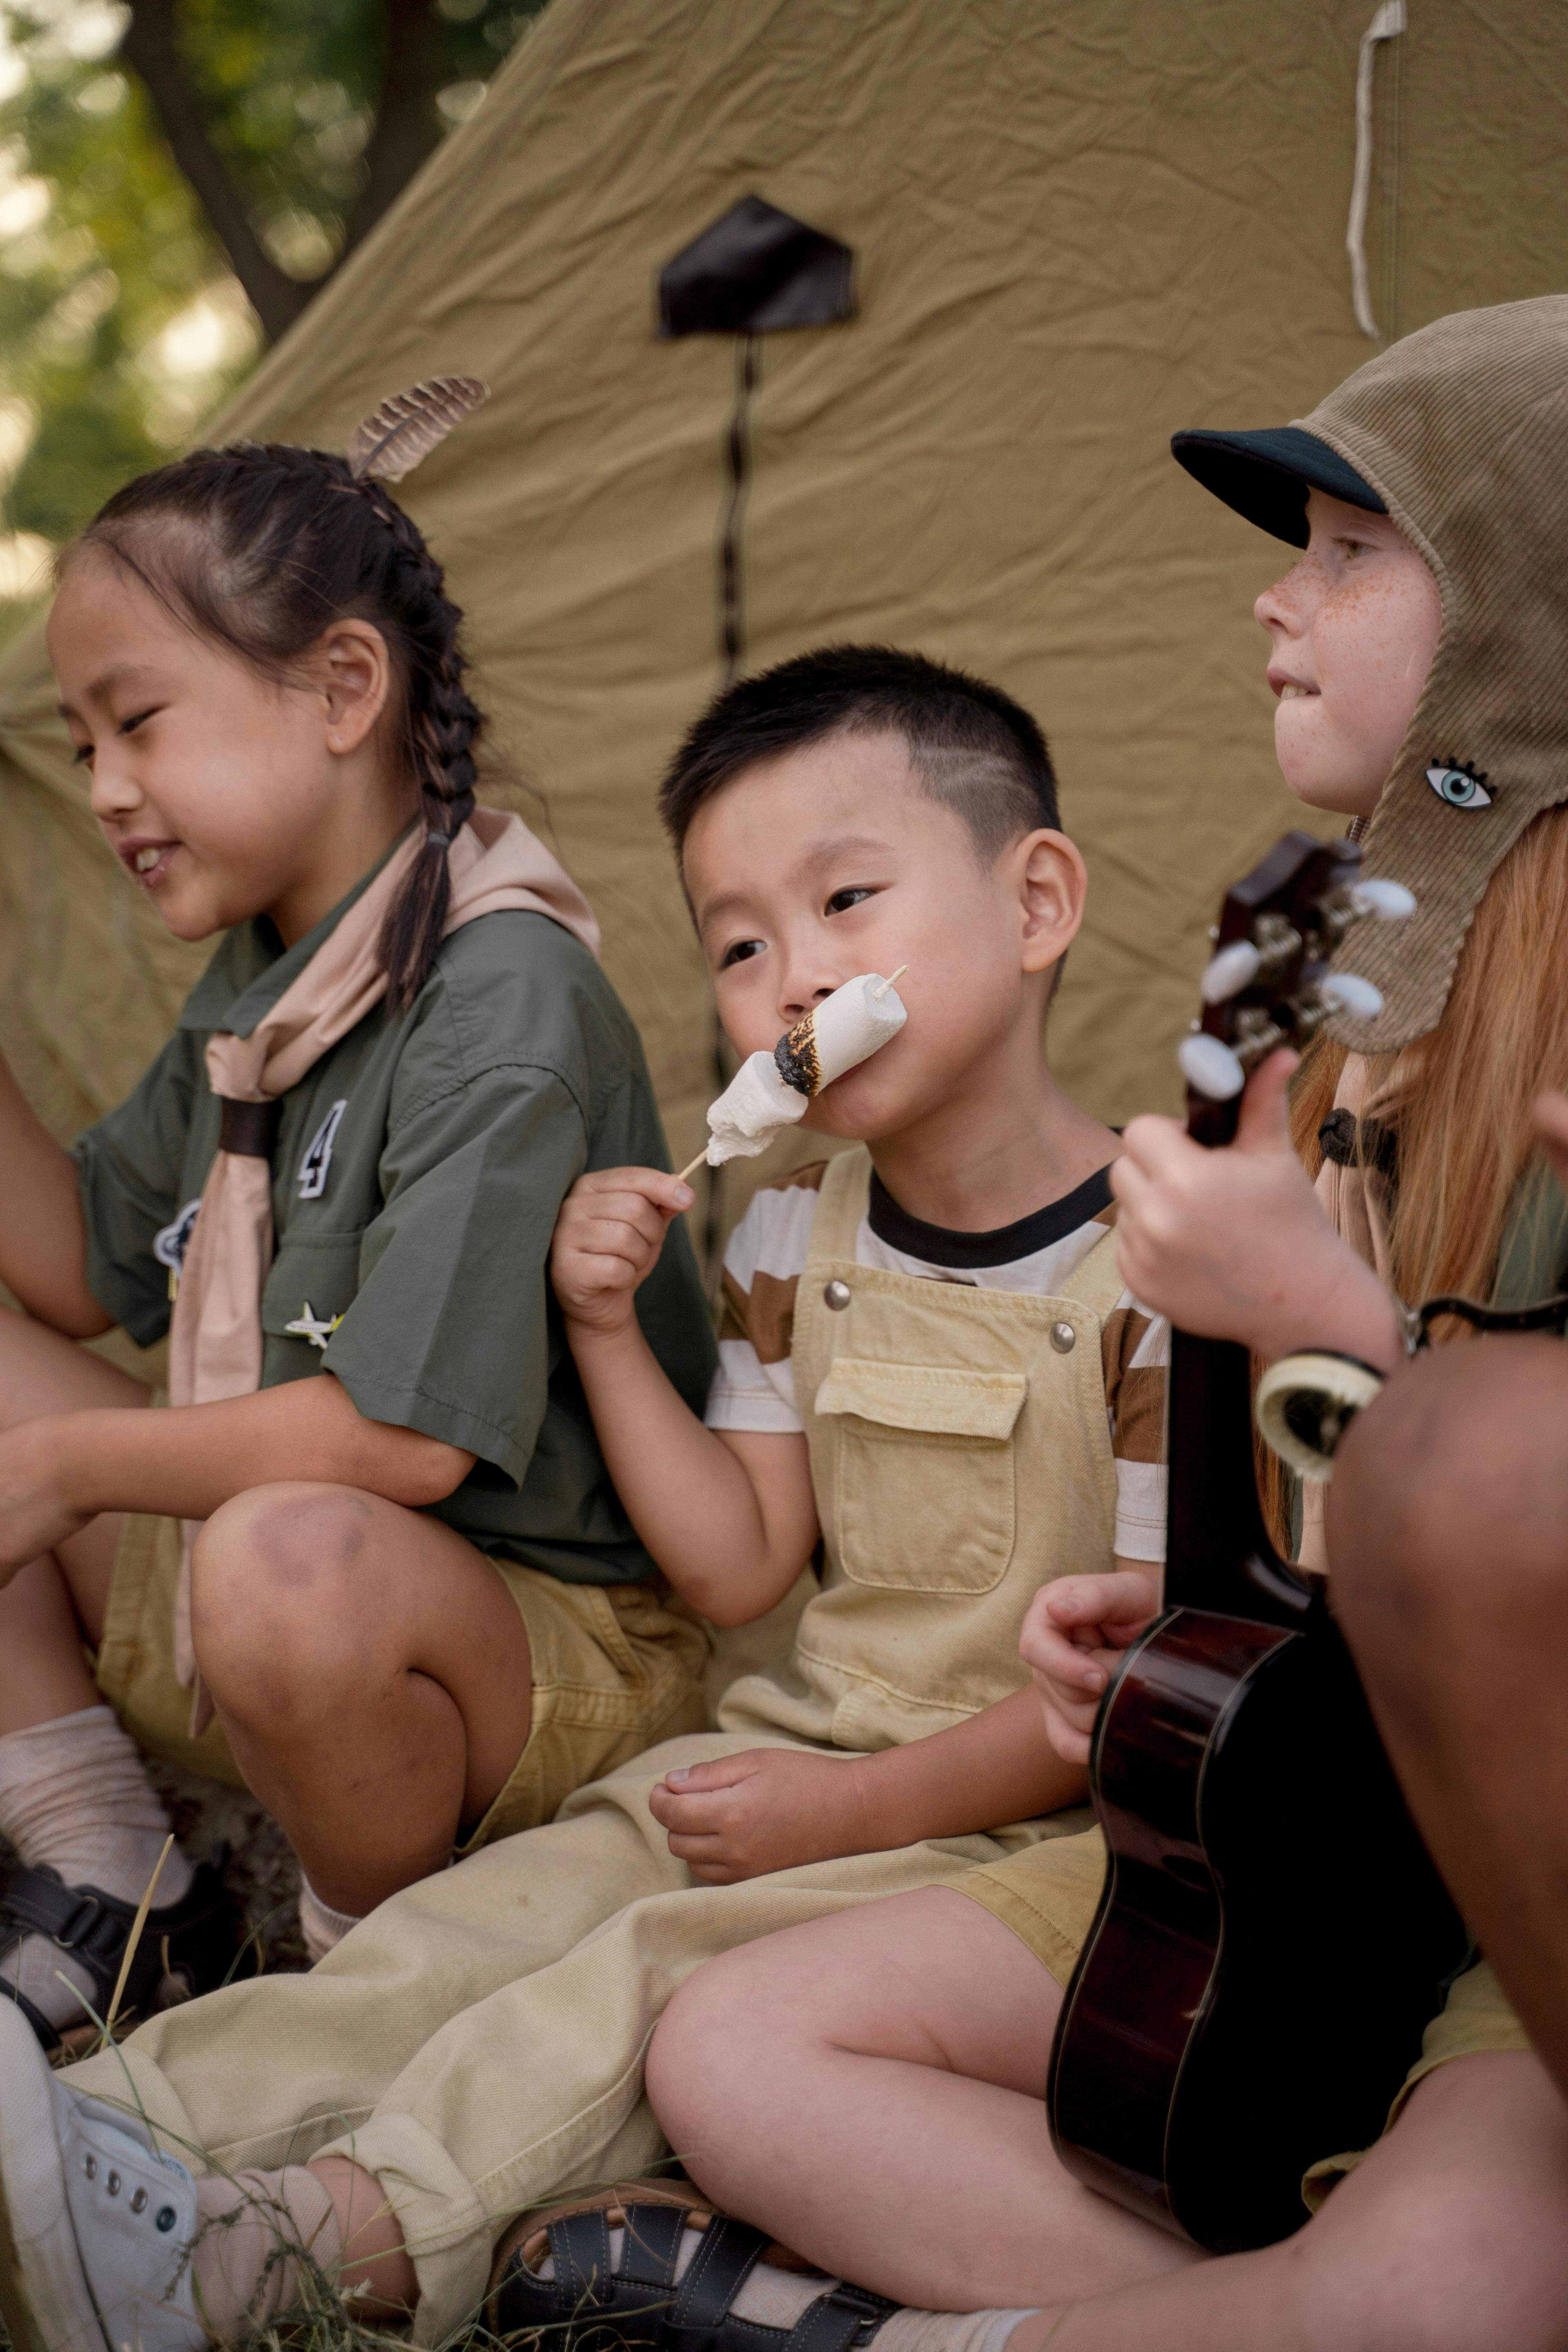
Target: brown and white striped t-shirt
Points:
(754, 1388)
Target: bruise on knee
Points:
(298, 1539)
(269, 1573)
(294, 1535)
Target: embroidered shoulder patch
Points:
(319, 1154)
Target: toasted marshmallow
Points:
(752, 1109)
(769, 1091)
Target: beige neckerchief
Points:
(216, 1342)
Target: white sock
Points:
(75, 1796)
(774, 2298)
(322, 1928)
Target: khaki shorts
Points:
(1049, 1895)
(616, 1667)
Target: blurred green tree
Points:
(177, 179)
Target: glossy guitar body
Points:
(1272, 1913)
(1272, 1938)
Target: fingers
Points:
(666, 1193)
(703, 1813)
(718, 1772)
(1151, 1145)
(1066, 1667)
(1264, 1125)
(1124, 1596)
(616, 1224)
(1071, 1744)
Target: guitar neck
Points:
(1219, 1555)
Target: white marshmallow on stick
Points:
(769, 1091)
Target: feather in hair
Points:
(405, 428)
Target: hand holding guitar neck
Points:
(1267, 983)
(1234, 1244)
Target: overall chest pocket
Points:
(925, 1482)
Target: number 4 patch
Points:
(319, 1157)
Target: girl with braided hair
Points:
(370, 1564)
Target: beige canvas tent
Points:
(1076, 224)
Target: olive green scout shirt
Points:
(416, 1180)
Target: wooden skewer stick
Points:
(877, 993)
(688, 1171)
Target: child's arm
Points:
(774, 1808)
(1234, 1244)
(729, 1516)
(43, 1234)
(57, 1473)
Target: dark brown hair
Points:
(262, 547)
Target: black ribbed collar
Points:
(963, 1252)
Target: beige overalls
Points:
(478, 2041)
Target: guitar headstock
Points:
(1268, 982)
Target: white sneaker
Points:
(96, 2225)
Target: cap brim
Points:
(1265, 475)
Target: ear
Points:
(353, 678)
(1053, 885)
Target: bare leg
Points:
(48, 1606)
(1448, 1538)
(374, 2258)
(1449, 2238)
(372, 1674)
(892, 2125)
(808, 2081)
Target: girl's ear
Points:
(353, 678)
(1053, 885)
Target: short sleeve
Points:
(754, 1388)
(129, 1172)
(450, 1332)
(1136, 1349)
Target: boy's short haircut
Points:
(974, 750)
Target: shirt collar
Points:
(252, 966)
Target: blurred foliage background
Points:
(177, 178)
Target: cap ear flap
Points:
(405, 428)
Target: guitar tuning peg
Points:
(1348, 992)
(1234, 969)
(1210, 1067)
(1390, 902)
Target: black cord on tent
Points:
(752, 272)
(731, 589)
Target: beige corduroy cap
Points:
(1460, 434)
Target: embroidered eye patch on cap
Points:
(1265, 475)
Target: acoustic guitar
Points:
(1272, 1937)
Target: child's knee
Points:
(279, 1607)
(731, 2020)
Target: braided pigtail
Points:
(262, 548)
(442, 729)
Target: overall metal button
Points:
(138, 2202)
(836, 1296)
(1064, 1339)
